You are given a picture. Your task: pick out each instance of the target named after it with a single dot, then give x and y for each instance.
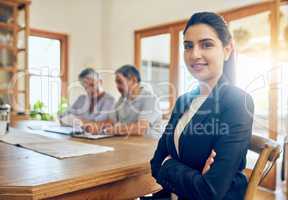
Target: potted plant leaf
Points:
(38, 112)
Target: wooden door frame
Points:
(64, 40)
(173, 29)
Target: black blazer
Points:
(223, 123)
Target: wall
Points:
(102, 31)
(81, 21)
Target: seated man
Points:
(93, 106)
(136, 111)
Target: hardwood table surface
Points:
(25, 174)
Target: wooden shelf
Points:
(12, 49)
(16, 9)
(8, 69)
(8, 26)
(11, 27)
(7, 91)
(9, 47)
(19, 3)
(11, 91)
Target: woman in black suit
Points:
(202, 152)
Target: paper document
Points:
(58, 148)
(71, 120)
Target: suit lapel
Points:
(209, 106)
(182, 106)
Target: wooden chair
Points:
(285, 160)
(269, 151)
(284, 167)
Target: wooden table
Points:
(121, 174)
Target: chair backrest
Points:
(269, 151)
(284, 168)
(285, 164)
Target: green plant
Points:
(62, 106)
(38, 112)
(38, 106)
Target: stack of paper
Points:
(58, 148)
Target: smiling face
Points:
(204, 52)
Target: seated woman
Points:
(95, 105)
(135, 113)
(202, 152)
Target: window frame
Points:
(64, 50)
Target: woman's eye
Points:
(188, 45)
(206, 45)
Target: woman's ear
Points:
(228, 50)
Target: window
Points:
(283, 72)
(47, 69)
(157, 54)
(254, 56)
(154, 69)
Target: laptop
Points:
(90, 136)
(78, 133)
(66, 130)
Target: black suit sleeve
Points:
(160, 154)
(161, 151)
(231, 149)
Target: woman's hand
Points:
(112, 129)
(109, 130)
(89, 127)
(209, 162)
